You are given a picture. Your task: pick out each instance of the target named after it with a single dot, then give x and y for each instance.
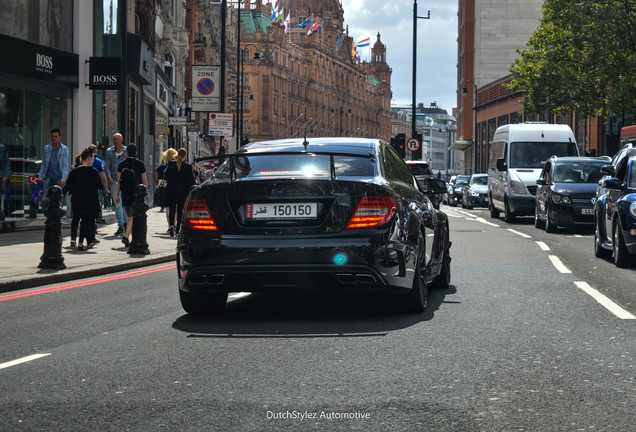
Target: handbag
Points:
(36, 197)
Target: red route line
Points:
(87, 282)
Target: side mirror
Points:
(612, 183)
(608, 170)
(432, 186)
(541, 181)
(501, 164)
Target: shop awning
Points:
(461, 145)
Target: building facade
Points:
(300, 85)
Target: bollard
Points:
(138, 244)
(52, 257)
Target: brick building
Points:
(296, 85)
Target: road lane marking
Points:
(605, 301)
(23, 360)
(558, 264)
(543, 246)
(472, 216)
(519, 233)
(88, 282)
(239, 295)
(484, 221)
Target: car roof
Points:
(416, 162)
(328, 145)
(578, 159)
(479, 175)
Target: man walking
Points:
(114, 156)
(54, 169)
(130, 173)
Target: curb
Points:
(83, 272)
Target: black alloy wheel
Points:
(209, 304)
(621, 256)
(599, 251)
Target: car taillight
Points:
(196, 216)
(372, 211)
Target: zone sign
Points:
(413, 144)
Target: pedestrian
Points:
(180, 177)
(5, 180)
(115, 155)
(130, 173)
(84, 184)
(98, 164)
(54, 169)
(160, 181)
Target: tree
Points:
(581, 58)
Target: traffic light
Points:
(400, 145)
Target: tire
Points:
(494, 213)
(209, 304)
(621, 256)
(538, 223)
(415, 300)
(599, 251)
(549, 226)
(442, 281)
(509, 217)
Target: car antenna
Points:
(305, 142)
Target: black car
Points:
(422, 172)
(458, 190)
(327, 214)
(475, 192)
(565, 192)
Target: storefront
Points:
(36, 95)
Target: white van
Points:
(517, 155)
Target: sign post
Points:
(206, 88)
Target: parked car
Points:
(450, 186)
(458, 190)
(565, 192)
(475, 192)
(615, 215)
(422, 171)
(609, 170)
(327, 214)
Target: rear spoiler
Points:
(332, 167)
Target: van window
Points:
(533, 154)
(496, 151)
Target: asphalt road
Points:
(514, 344)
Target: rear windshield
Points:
(462, 179)
(533, 154)
(294, 166)
(420, 169)
(578, 172)
(479, 180)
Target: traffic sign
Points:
(205, 88)
(413, 144)
(221, 124)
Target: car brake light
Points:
(196, 216)
(372, 211)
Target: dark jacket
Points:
(179, 182)
(84, 183)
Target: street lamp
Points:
(415, 18)
(241, 90)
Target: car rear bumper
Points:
(249, 265)
(569, 216)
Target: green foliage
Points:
(581, 58)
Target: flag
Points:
(354, 51)
(274, 13)
(320, 28)
(312, 29)
(364, 42)
(305, 23)
(286, 22)
(281, 14)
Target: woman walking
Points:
(83, 184)
(180, 178)
(160, 181)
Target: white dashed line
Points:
(484, 221)
(237, 296)
(543, 246)
(556, 262)
(472, 216)
(605, 302)
(519, 233)
(23, 360)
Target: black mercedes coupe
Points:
(317, 215)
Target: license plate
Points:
(587, 211)
(281, 211)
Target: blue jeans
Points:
(119, 210)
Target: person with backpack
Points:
(130, 173)
(180, 177)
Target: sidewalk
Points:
(21, 251)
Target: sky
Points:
(436, 46)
